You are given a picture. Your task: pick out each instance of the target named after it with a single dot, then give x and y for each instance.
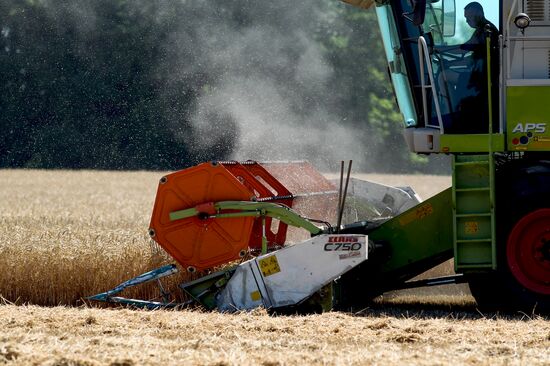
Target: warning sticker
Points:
(419, 213)
(269, 265)
(471, 227)
(255, 295)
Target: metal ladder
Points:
(424, 59)
(474, 212)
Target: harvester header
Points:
(262, 234)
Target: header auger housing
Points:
(217, 212)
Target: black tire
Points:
(523, 222)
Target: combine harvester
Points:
(483, 99)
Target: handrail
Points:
(489, 91)
(502, 86)
(423, 53)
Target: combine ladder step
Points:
(473, 212)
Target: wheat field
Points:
(65, 235)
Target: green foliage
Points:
(355, 49)
(114, 84)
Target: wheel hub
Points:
(528, 251)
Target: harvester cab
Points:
(472, 80)
(464, 67)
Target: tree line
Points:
(125, 84)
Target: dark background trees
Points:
(164, 84)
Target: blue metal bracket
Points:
(153, 275)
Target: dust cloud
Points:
(271, 92)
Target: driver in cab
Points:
(474, 114)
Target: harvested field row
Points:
(83, 336)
